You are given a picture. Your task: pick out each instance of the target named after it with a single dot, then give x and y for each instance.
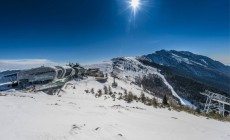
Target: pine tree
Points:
(125, 91)
(198, 110)
(105, 90)
(110, 91)
(165, 102)
(92, 91)
(143, 98)
(129, 97)
(99, 93)
(154, 102)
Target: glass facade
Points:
(43, 75)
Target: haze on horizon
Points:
(88, 31)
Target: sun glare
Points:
(135, 5)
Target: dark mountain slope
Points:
(185, 87)
(196, 67)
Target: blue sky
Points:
(89, 31)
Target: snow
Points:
(75, 114)
(90, 82)
(204, 61)
(181, 59)
(152, 70)
(198, 63)
(6, 83)
(81, 116)
(172, 90)
(129, 76)
(189, 103)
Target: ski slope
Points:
(141, 70)
(77, 115)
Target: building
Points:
(43, 75)
(95, 72)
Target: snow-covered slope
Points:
(128, 68)
(76, 115)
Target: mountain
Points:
(196, 67)
(178, 74)
(146, 79)
(87, 108)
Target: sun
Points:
(134, 4)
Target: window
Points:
(68, 72)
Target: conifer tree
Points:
(130, 97)
(165, 102)
(92, 91)
(143, 98)
(105, 90)
(99, 93)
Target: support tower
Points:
(216, 102)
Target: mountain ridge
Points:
(179, 74)
(197, 67)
